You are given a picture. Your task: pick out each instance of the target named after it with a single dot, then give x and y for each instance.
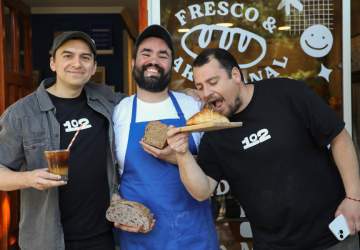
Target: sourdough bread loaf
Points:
(155, 134)
(129, 213)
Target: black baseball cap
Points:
(70, 35)
(155, 30)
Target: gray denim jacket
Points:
(29, 127)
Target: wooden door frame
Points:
(15, 82)
(2, 60)
(143, 15)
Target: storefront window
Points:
(296, 39)
(270, 39)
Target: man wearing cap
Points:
(181, 221)
(56, 214)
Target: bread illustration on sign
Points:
(129, 213)
(155, 134)
(206, 115)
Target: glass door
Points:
(15, 62)
(308, 40)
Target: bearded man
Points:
(150, 175)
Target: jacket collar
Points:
(44, 100)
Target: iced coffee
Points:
(58, 162)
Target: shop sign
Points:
(316, 40)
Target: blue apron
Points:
(181, 221)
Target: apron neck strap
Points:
(177, 106)
(173, 100)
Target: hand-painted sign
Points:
(250, 45)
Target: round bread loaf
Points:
(129, 213)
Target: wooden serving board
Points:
(210, 126)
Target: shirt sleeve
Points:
(208, 160)
(118, 97)
(11, 149)
(321, 121)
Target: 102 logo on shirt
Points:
(73, 125)
(256, 138)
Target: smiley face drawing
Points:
(316, 40)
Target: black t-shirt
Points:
(278, 165)
(85, 198)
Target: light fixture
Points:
(183, 30)
(284, 28)
(225, 24)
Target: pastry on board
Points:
(206, 115)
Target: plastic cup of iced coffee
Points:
(58, 162)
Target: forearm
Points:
(346, 161)
(11, 180)
(198, 184)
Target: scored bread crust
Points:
(206, 115)
(129, 213)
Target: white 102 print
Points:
(73, 125)
(256, 138)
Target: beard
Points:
(233, 109)
(153, 83)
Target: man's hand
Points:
(351, 210)
(165, 154)
(179, 142)
(41, 179)
(139, 229)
